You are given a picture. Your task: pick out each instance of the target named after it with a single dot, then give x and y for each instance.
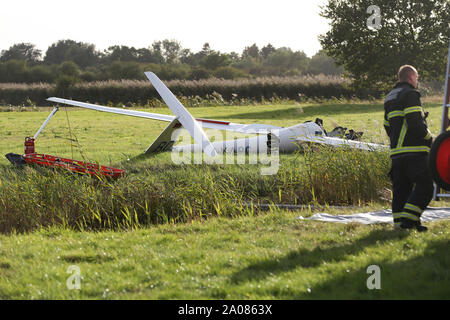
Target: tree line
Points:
(69, 61)
(369, 40)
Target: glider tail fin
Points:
(166, 139)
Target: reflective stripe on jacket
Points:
(404, 121)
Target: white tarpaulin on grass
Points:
(383, 216)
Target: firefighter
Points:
(410, 142)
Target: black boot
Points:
(409, 224)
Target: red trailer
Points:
(46, 160)
(439, 160)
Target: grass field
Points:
(272, 256)
(109, 137)
(212, 248)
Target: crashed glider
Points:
(287, 140)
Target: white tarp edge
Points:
(383, 216)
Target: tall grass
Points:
(31, 198)
(131, 92)
(206, 92)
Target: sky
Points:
(227, 25)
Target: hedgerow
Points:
(129, 92)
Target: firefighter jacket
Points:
(404, 121)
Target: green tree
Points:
(64, 84)
(206, 50)
(285, 61)
(322, 63)
(157, 51)
(121, 53)
(267, 50)
(249, 65)
(188, 57)
(125, 70)
(252, 51)
(299, 61)
(22, 51)
(201, 59)
(148, 56)
(83, 54)
(234, 56)
(15, 71)
(199, 73)
(3, 77)
(409, 32)
(215, 60)
(229, 73)
(172, 51)
(41, 73)
(68, 76)
(70, 69)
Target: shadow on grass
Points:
(421, 277)
(312, 258)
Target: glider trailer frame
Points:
(76, 166)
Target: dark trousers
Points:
(412, 187)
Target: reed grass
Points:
(157, 191)
(206, 92)
(210, 91)
(32, 198)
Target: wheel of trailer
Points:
(439, 161)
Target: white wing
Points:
(133, 113)
(205, 123)
(337, 142)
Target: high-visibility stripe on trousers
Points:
(412, 187)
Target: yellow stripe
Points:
(413, 208)
(402, 135)
(386, 123)
(409, 149)
(396, 215)
(413, 109)
(397, 113)
(408, 216)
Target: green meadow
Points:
(167, 231)
(110, 137)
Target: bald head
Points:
(408, 74)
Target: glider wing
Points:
(205, 123)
